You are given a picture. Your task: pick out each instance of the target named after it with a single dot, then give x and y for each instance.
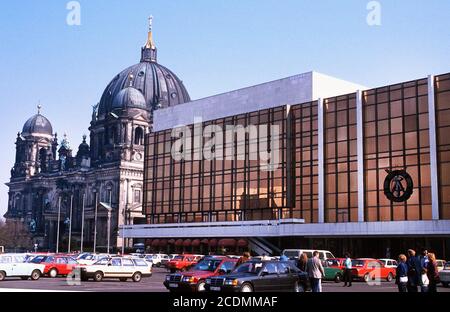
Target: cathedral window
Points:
(139, 136)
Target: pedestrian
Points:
(432, 273)
(424, 263)
(401, 274)
(315, 272)
(348, 270)
(414, 271)
(302, 263)
(245, 257)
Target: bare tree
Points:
(15, 235)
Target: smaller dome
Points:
(37, 124)
(129, 98)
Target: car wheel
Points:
(35, 275)
(158, 265)
(390, 277)
(98, 276)
(2, 276)
(123, 279)
(246, 288)
(445, 284)
(338, 278)
(137, 277)
(201, 286)
(299, 287)
(53, 273)
(366, 277)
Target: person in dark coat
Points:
(432, 272)
(401, 275)
(414, 271)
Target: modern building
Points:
(54, 191)
(308, 161)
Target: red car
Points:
(336, 262)
(194, 280)
(370, 269)
(56, 265)
(182, 263)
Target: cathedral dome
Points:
(37, 125)
(158, 85)
(129, 98)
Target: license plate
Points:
(173, 285)
(215, 288)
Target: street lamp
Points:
(57, 230)
(109, 209)
(70, 224)
(82, 222)
(95, 219)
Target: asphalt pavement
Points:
(155, 284)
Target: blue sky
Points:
(213, 46)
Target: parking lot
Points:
(155, 284)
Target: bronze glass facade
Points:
(396, 136)
(442, 97)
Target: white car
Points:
(89, 259)
(116, 267)
(157, 259)
(389, 263)
(440, 264)
(14, 265)
(444, 275)
(296, 253)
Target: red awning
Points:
(163, 243)
(195, 243)
(242, 243)
(213, 243)
(155, 243)
(205, 241)
(179, 243)
(227, 242)
(171, 241)
(187, 243)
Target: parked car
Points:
(164, 261)
(444, 275)
(260, 276)
(332, 271)
(296, 253)
(157, 259)
(195, 279)
(182, 263)
(14, 265)
(369, 269)
(441, 264)
(336, 262)
(389, 263)
(89, 259)
(56, 265)
(116, 267)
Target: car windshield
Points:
(333, 262)
(357, 263)
(249, 267)
(447, 266)
(207, 265)
(38, 259)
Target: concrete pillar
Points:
(360, 153)
(433, 149)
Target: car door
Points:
(61, 265)
(114, 268)
(285, 281)
(128, 268)
(6, 265)
(268, 278)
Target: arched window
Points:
(139, 136)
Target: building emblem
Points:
(398, 185)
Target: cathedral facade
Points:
(61, 195)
